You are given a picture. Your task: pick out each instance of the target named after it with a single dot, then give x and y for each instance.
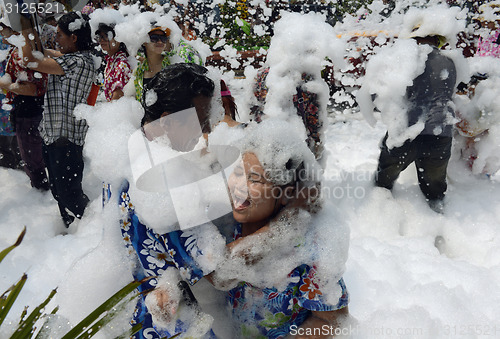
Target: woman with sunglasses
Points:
(118, 71)
(159, 53)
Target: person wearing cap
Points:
(71, 72)
(159, 53)
(118, 71)
(428, 101)
(25, 92)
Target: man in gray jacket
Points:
(429, 101)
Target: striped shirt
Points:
(64, 92)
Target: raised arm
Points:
(52, 53)
(38, 63)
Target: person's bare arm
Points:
(21, 88)
(117, 94)
(42, 63)
(52, 53)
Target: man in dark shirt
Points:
(428, 102)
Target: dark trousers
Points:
(430, 154)
(64, 161)
(30, 147)
(9, 152)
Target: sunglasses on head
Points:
(158, 38)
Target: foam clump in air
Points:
(440, 19)
(105, 16)
(311, 40)
(388, 75)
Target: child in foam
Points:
(271, 269)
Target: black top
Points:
(430, 95)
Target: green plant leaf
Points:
(83, 325)
(108, 316)
(11, 298)
(6, 251)
(244, 25)
(131, 332)
(27, 326)
(25, 311)
(43, 333)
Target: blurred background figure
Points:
(25, 92)
(9, 151)
(118, 71)
(489, 39)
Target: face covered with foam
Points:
(254, 197)
(277, 167)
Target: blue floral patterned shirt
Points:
(257, 313)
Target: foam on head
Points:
(280, 147)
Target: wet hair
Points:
(175, 87)
(105, 29)
(83, 33)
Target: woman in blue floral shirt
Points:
(269, 293)
(273, 204)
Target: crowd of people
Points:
(273, 187)
(46, 85)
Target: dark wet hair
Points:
(105, 29)
(83, 34)
(175, 87)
